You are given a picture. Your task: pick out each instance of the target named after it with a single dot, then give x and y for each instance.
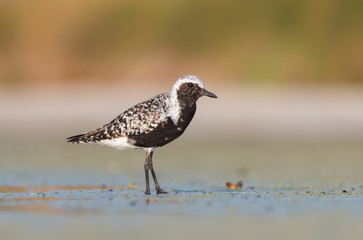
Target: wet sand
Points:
(52, 190)
(273, 213)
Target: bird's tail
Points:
(76, 138)
(92, 136)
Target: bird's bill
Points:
(208, 94)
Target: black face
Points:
(190, 92)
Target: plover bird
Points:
(152, 123)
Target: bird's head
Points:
(190, 88)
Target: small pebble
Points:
(230, 185)
(239, 184)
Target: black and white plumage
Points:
(152, 123)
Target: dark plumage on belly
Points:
(166, 132)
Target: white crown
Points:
(186, 79)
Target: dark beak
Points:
(208, 94)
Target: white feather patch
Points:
(120, 143)
(174, 109)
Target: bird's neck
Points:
(186, 102)
(187, 108)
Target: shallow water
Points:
(51, 190)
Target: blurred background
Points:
(289, 80)
(276, 43)
(301, 60)
(285, 71)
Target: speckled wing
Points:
(141, 118)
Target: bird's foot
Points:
(147, 192)
(160, 191)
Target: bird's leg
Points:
(157, 186)
(146, 167)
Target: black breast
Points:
(166, 132)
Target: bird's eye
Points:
(190, 84)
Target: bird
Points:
(151, 124)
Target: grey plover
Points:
(152, 123)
